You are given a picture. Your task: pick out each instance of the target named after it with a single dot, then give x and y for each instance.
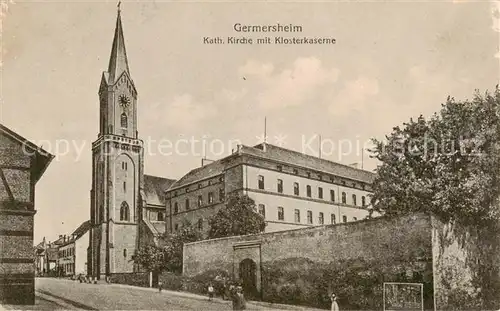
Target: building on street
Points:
(72, 253)
(22, 164)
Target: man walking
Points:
(335, 305)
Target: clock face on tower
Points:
(124, 101)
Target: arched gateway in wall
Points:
(247, 267)
(248, 277)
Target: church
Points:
(127, 206)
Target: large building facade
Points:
(126, 205)
(291, 189)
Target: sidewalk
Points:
(261, 304)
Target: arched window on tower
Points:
(124, 121)
(124, 211)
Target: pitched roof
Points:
(154, 189)
(277, 154)
(42, 158)
(210, 170)
(81, 230)
(118, 62)
(59, 241)
(39, 245)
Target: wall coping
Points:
(311, 229)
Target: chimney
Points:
(264, 146)
(239, 148)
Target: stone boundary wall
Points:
(304, 266)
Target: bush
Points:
(171, 281)
(135, 279)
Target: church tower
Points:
(117, 169)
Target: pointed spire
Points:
(118, 62)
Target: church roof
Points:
(118, 62)
(279, 155)
(154, 189)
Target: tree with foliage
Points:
(448, 165)
(237, 217)
(174, 243)
(150, 257)
(168, 256)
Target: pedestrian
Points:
(335, 305)
(210, 292)
(160, 286)
(224, 289)
(241, 298)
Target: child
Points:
(160, 284)
(210, 292)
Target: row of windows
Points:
(211, 199)
(296, 191)
(321, 177)
(199, 225)
(66, 252)
(200, 185)
(310, 220)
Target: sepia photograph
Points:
(250, 155)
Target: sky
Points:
(391, 61)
